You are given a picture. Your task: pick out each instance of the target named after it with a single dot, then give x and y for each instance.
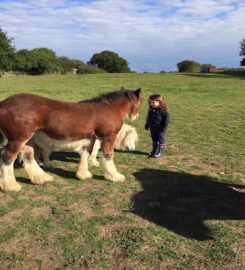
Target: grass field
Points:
(185, 210)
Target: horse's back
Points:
(26, 113)
(29, 102)
(24, 103)
(19, 111)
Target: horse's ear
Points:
(138, 92)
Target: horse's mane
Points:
(111, 96)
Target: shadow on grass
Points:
(61, 172)
(134, 152)
(24, 180)
(74, 157)
(70, 174)
(65, 156)
(182, 202)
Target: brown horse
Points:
(21, 115)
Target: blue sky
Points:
(150, 35)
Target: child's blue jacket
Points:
(157, 118)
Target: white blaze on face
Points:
(134, 117)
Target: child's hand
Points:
(147, 126)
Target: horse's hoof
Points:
(115, 178)
(94, 162)
(41, 179)
(84, 175)
(120, 178)
(11, 187)
(48, 165)
(48, 178)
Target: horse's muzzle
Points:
(134, 117)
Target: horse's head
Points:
(135, 104)
(130, 140)
(126, 138)
(125, 100)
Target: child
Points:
(157, 120)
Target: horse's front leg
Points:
(111, 172)
(34, 171)
(82, 170)
(8, 156)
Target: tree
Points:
(85, 69)
(6, 51)
(242, 52)
(67, 64)
(37, 61)
(109, 61)
(44, 61)
(206, 68)
(188, 66)
(24, 61)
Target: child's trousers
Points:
(158, 135)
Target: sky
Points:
(151, 35)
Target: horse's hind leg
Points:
(40, 151)
(111, 172)
(92, 158)
(9, 155)
(35, 173)
(46, 152)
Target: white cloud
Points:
(151, 35)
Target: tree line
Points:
(43, 60)
(193, 66)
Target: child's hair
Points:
(160, 99)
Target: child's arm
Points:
(147, 126)
(166, 120)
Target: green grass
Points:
(182, 211)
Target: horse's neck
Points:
(123, 106)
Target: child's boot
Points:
(153, 151)
(160, 151)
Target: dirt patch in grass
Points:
(84, 207)
(240, 176)
(194, 164)
(109, 210)
(37, 197)
(239, 248)
(5, 198)
(108, 229)
(33, 254)
(41, 211)
(12, 216)
(61, 181)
